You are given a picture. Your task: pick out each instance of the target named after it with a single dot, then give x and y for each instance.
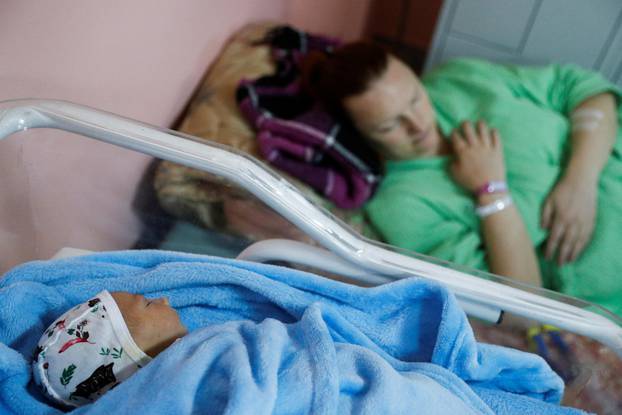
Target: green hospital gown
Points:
(419, 207)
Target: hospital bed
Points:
(332, 247)
(348, 253)
(338, 250)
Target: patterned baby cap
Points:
(86, 352)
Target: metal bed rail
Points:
(481, 297)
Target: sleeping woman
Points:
(514, 170)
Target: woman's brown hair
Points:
(347, 71)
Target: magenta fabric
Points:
(296, 135)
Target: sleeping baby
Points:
(98, 344)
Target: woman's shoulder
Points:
(465, 68)
(462, 62)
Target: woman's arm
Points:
(570, 210)
(592, 137)
(510, 251)
(479, 160)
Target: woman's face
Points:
(396, 115)
(153, 324)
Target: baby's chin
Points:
(157, 348)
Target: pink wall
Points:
(345, 19)
(141, 59)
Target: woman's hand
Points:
(478, 160)
(479, 156)
(569, 213)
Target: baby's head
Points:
(98, 344)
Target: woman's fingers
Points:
(457, 141)
(567, 244)
(555, 236)
(469, 133)
(584, 240)
(495, 138)
(578, 248)
(484, 133)
(547, 214)
(480, 134)
(567, 240)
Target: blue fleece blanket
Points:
(267, 339)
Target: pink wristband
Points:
(492, 187)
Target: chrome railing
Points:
(483, 297)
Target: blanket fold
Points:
(268, 339)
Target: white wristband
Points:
(494, 207)
(591, 114)
(585, 125)
(586, 119)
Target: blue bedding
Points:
(267, 339)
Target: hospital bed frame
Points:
(480, 294)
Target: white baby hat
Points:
(86, 352)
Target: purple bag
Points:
(297, 135)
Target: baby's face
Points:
(153, 324)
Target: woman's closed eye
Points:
(387, 128)
(390, 126)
